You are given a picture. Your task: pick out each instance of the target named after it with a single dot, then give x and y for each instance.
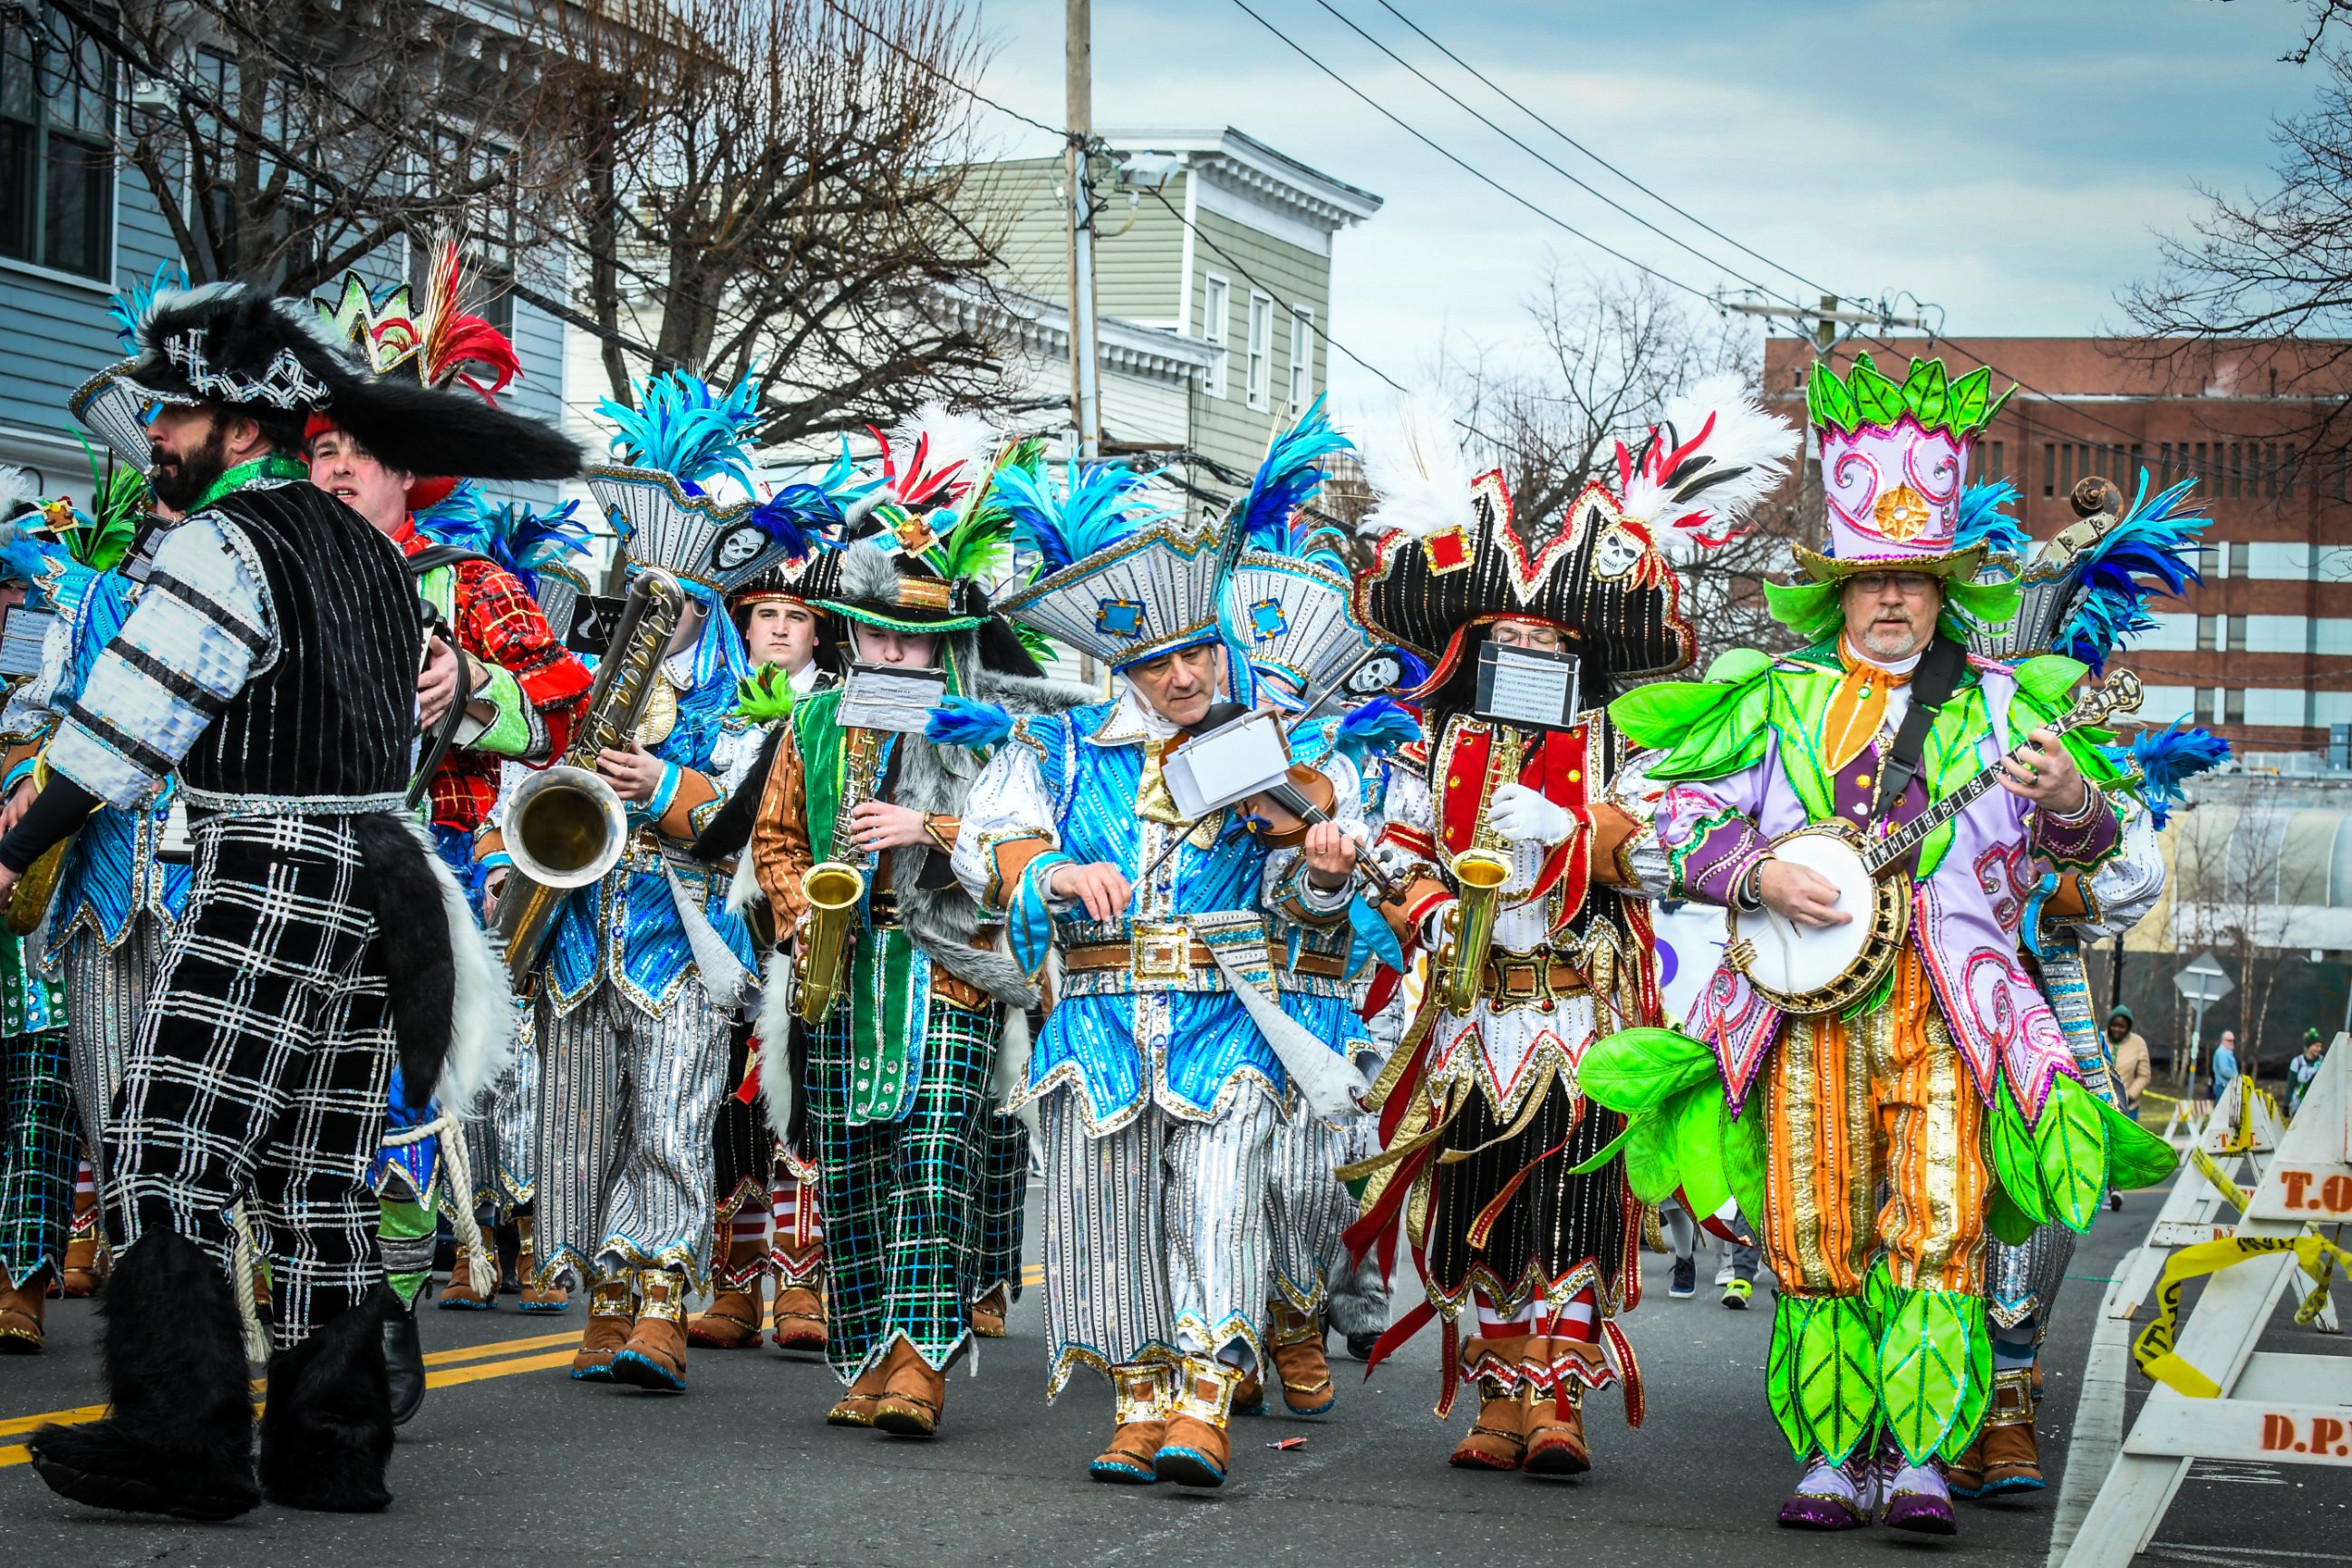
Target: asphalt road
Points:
(510, 1462)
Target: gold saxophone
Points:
(834, 888)
(566, 827)
(1479, 873)
(28, 901)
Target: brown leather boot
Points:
(914, 1397)
(1498, 1437)
(85, 1250)
(732, 1322)
(654, 1357)
(2011, 1457)
(988, 1312)
(552, 1297)
(800, 1310)
(1298, 1352)
(20, 1314)
(1964, 1475)
(1196, 1450)
(464, 1293)
(612, 1314)
(855, 1408)
(1143, 1393)
(1556, 1445)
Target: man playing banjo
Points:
(1913, 1084)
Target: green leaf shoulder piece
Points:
(2135, 1157)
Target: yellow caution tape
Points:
(2153, 1350)
(2235, 1195)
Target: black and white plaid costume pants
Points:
(260, 1072)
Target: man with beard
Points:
(271, 660)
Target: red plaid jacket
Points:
(498, 623)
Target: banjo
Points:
(1823, 969)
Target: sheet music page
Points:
(877, 698)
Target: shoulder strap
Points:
(433, 555)
(1938, 675)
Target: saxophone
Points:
(566, 827)
(28, 901)
(1479, 873)
(836, 887)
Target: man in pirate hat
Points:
(519, 689)
(271, 659)
(1497, 1166)
(1881, 1365)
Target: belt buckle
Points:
(1518, 980)
(1161, 951)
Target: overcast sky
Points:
(2009, 162)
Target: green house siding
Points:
(1227, 428)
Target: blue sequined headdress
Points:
(1289, 596)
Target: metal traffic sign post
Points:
(2203, 981)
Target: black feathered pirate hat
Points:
(231, 345)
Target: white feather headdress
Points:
(1712, 456)
(1418, 474)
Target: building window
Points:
(1261, 351)
(2237, 631)
(2226, 705)
(1302, 359)
(1216, 295)
(2049, 470)
(56, 146)
(2206, 639)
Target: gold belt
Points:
(1096, 956)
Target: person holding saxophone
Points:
(1495, 1164)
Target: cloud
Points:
(2006, 160)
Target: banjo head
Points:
(1807, 970)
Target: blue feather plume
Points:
(1379, 725)
(964, 722)
(2167, 758)
(2150, 552)
(523, 540)
(461, 518)
(1984, 519)
(1096, 508)
(130, 308)
(682, 428)
(1292, 472)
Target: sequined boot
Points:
(1297, 1350)
(1144, 1392)
(654, 1357)
(1196, 1450)
(612, 1315)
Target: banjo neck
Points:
(2120, 693)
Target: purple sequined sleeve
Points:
(2079, 845)
(1710, 845)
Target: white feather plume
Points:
(953, 437)
(18, 491)
(1414, 462)
(1703, 494)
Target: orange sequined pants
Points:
(1875, 1140)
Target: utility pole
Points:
(1086, 397)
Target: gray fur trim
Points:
(868, 577)
(943, 922)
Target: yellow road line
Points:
(1033, 1275)
(448, 1376)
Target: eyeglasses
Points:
(1910, 584)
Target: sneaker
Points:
(1736, 1294)
(1833, 1497)
(1685, 1280)
(1723, 1276)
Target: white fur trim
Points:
(482, 1017)
(743, 888)
(775, 1024)
(17, 490)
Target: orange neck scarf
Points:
(1857, 709)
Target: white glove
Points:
(1523, 816)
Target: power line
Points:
(1617, 205)
(1678, 211)
(1465, 165)
(1058, 133)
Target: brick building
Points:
(2263, 648)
